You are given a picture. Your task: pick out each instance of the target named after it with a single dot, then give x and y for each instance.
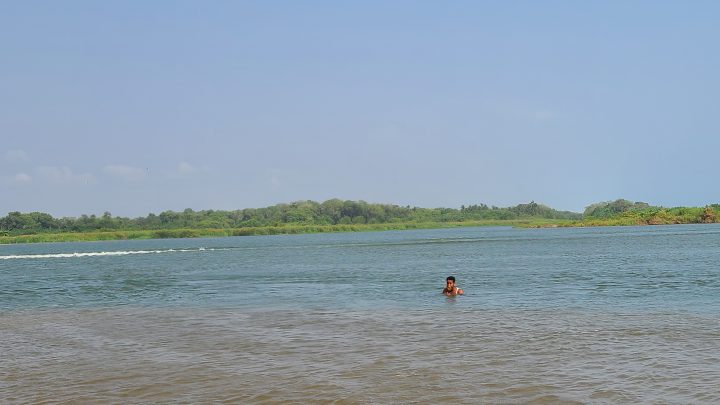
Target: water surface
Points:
(601, 315)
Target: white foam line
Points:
(90, 254)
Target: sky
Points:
(135, 107)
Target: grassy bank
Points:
(269, 230)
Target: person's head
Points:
(450, 282)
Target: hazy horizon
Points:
(136, 108)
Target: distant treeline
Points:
(624, 212)
(338, 213)
(331, 212)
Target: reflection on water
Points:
(466, 356)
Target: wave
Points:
(110, 253)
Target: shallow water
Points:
(606, 315)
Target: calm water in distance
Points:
(601, 315)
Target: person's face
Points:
(450, 284)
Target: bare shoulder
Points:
(460, 291)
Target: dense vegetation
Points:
(624, 212)
(613, 208)
(303, 213)
(333, 216)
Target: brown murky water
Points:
(126, 355)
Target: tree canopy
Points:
(330, 212)
(609, 209)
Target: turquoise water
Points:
(550, 316)
(640, 269)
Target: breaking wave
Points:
(110, 253)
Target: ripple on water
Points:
(162, 355)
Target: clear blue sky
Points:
(136, 107)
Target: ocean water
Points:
(590, 315)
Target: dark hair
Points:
(450, 278)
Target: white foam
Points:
(91, 254)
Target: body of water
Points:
(598, 315)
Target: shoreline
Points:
(256, 231)
(303, 229)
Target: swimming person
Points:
(451, 288)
